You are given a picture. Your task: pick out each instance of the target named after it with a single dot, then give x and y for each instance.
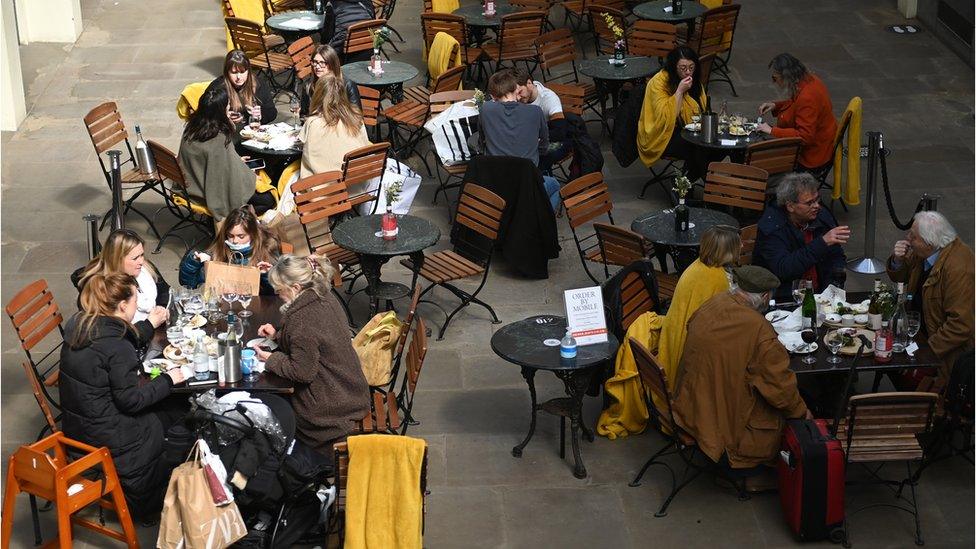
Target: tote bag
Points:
(221, 275)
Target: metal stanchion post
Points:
(867, 264)
(930, 202)
(118, 219)
(94, 246)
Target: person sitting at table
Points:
(325, 61)
(212, 168)
(806, 112)
(734, 399)
(315, 351)
(705, 277)
(248, 94)
(937, 268)
(334, 128)
(672, 97)
(533, 92)
(511, 128)
(103, 402)
(799, 239)
(239, 234)
(124, 252)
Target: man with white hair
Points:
(938, 269)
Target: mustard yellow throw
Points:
(657, 117)
(627, 413)
(851, 191)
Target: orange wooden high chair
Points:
(42, 469)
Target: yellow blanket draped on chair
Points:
(384, 507)
(252, 10)
(627, 413)
(849, 190)
(444, 6)
(190, 98)
(439, 59)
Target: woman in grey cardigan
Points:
(315, 351)
(213, 170)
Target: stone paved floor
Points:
(472, 406)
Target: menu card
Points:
(584, 315)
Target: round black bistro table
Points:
(279, 23)
(358, 234)
(654, 11)
(523, 343)
(658, 227)
(395, 73)
(734, 146)
(609, 78)
(474, 15)
(283, 155)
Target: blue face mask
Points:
(242, 248)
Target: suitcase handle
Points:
(842, 405)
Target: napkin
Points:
(791, 340)
(728, 142)
(832, 294)
(667, 9)
(255, 144)
(281, 143)
(300, 24)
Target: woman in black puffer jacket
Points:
(103, 403)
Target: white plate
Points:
(263, 342)
(198, 321)
(693, 127)
(793, 341)
(777, 315)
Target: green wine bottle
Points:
(809, 310)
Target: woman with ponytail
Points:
(315, 351)
(102, 400)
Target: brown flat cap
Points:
(754, 279)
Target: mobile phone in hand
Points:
(255, 163)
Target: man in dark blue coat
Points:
(799, 238)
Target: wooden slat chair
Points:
(516, 40)
(420, 94)
(821, 174)
(776, 156)
(410, 115)
(652, 39)
(585, 199)
(50, 469)
(319, 199)
(715, 36)
(359, 166)
(476, 224)
(453, 173)
(408, 321)
(659, 402)
(301, 52)
(621, 247)
(107, 132)
(50, 418)
(342, 479)
(603, 37)
(271, 41)
(37, 319)
(190, 211)
(577, 15)
(737, 186)
(535, 5)
(557, 50)
(886, 427)
(384, 10)
(369, 98)
(747, 235)
(386, 408)
(705, 63)
(359, 37)
(250, 37)
(454, 25)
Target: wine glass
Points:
(254, 121)
(913, 322)
(295, 106)
(799, 289)
(229, 295)
(809, 336)
(834, 343)
(244, 297)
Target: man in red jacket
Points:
(807, 113)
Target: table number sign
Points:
(584, 315)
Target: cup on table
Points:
(248, 362)
(847, 320)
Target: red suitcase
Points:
(811, 480)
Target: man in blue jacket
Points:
(799, 238)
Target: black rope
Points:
(882, 153)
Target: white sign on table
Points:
(584, 315)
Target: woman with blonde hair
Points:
(334, 127)
(103, 401)
(124, 252)
(247, 94)
(325, 61)
(315, 351)
(706, 277)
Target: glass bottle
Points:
(676, 7)
(489, 8)
(201, 361)
(144, 158)
(388, 225)
(376, 62)
(882, 344)
(681, 215)
(319, 7)
(567, 346)
(723, 115)
(809, 310)
(899, 328)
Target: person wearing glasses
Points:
(805, 112)
(799, 239)
(325, 61)
(672, 98)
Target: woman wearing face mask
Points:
(314, 350)
(248, 94)
(103, 401)
(325, 61)
(241, 241)
(124, 252)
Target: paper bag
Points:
(375, 344)
(170, 523)
(220, 275)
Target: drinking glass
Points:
(254, 122)
(244, 296)
(229, 295)
(809, 337)
(296, 108)
(834, 343)
(913, 322)
(799, 289)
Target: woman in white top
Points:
(124, 252)
(334, 127)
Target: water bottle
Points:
(201, 362)
(144, 157)
(567, 347)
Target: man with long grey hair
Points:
(938, 269)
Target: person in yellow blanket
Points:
(707, 276)
(671, 98)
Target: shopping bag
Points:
(450, 131)
(375, 344)
(170, 523)
(216, 475)
(395, 172)
(222, 275)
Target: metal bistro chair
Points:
(439, 102)
(776, 156)
(556, 49)
(715, 36)
(106, 130)
(411, 115)
(301, 52)
(455, 26)
(190, 211)
(476, 224)
(747, 235)
(652, 39)
(360, 166)
(843, 125)
(621, 247)
(359, 37)
(736, 186)
(516, 40)
(386, 407)
(585, 199)
(603, 37)
(369, 98)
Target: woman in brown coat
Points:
(315, 351)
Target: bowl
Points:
(860, 309)
(833, 318)
(847, 320)
(861, 319)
